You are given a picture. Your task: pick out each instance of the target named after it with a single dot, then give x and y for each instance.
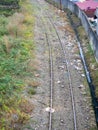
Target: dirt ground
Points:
(62, 116)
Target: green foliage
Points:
(8, 2)
(13, 56)
(3, 20)
(16, 49)
(8, 7)
(3, 31)
(6, 12)
(93, 128)
(28, 127)
(32, 91)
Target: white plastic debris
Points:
(81, 86)
(83, 75)
(48, 109)
(58, 81)
(61, 67)
(37, 75)
(78, 60)
(77, 68)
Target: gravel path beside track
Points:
(60, 65)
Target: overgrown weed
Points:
(16, 50)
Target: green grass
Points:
(16, 51)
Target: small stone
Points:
(87, 118)
(83, 93)
(71, 63)
(41, 38)
(62, 86)
(69, 45)
(85, 100)
(64, 61)
(37, 75)
(86, 126)
(59, 11)
(62, 121)
(87, 107)
(15, 117)
(92, 67)
(91, 111)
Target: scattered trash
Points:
(48, 109)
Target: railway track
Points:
(51, 72)
(47, 39)
(67, 61)
(51, 79)
(63, 108)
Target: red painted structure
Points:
(88, 6)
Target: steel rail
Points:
(51, 82)
(51, 71)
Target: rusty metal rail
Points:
(51, 81)
(50, 71)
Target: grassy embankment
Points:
(16, 65)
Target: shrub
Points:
(9, 2)
(15, 24)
